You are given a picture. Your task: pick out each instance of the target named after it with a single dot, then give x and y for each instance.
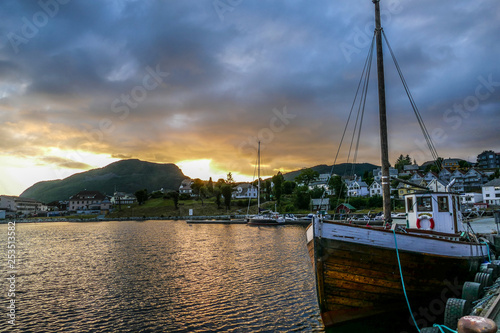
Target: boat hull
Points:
(357, 270)
(264, 222)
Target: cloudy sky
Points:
(198, 83)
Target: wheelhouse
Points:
(434, 211)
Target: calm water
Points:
(160, 276)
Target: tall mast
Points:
(386, 181)
(258, 177)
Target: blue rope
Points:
(442, 326)
(402, 281)
(488, 247)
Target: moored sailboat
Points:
(360, 270)
(266, 217)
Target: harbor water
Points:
(159, 276)
(167, 276)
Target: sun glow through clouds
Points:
(204, 169)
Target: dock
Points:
(236, 221)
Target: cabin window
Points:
(424, 204)
(443, 204)
(409, 204)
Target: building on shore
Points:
(21, 206)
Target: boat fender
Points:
(425, 217)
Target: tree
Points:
(230, 179)
(210, 186)
(278, 186)
(302, 197)
(142, 196)
(495, 175)
(226, 191)
(463, 164)
(368, 177)
(317, 192)
(338, 185)
(198, 188)
(306, 176)
(267, 188)
(218, 195)
(175, 198)
(288, 186)
(402, 161)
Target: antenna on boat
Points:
(386, 181)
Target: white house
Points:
(437, 185)
(122, 198)
(357, 188)
(20, 205)
(185, 187)
(89, 201)
(491, 192)
(245, 191)
(471, 198)
(375, 189)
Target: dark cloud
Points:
(84, 77)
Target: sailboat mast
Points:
(258, 180)
(386, 181)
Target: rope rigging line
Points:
(421, 123)
(362, 84)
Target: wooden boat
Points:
(360, 270)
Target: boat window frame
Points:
(421, 206)
(443, 207)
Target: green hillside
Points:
(124, 176)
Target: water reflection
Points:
(163, 276)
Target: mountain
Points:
(339, 169)
(124, 176)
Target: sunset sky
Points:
(198, 83)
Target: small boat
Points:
(266, 217)
(366, 270)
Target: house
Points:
(377, 174)
(87, 202)
(357, 188)
(417, 177)
(344, 208)
(404, 189)
(488, 159)
(491, 192)
(451, 163)
(474, 179)
(471, 198)
(445, 175)
(19, 205)
(122, 198)
(437, 185)
(320, 204)
(458, 177)
(430, 176)
(185, 187)
(324, 177)
(245, 191)
(375, 189)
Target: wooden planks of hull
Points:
(358, 280)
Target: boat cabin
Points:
(434, 211)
